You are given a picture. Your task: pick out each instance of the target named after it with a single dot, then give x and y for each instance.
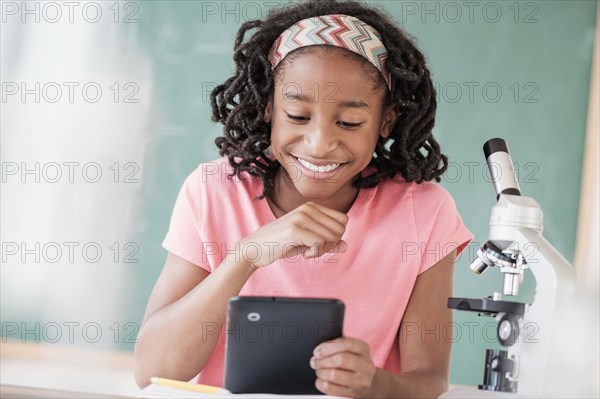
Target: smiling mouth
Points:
(318, 168)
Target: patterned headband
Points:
(336, 30)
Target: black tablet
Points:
(270, 340)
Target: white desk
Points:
(64, 368)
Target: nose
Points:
(320, 141)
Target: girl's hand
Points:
(344, 367)
(310, 230)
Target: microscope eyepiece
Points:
(500, 165)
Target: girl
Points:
(325, 191)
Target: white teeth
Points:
(321, 169)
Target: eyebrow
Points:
(359, 104)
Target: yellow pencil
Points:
(188, 386)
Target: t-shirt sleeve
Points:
(440, 229)
(184, 236)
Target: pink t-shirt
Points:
(395, 231)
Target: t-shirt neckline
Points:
(363, 195)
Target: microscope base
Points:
(472, 393)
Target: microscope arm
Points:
(546, 256)
(555, 286)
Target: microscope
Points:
(525, 330)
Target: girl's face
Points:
(326, 118)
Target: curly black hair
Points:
(239, 103)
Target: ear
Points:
(388, 121)
(268, 111)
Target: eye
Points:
(348, 125)
(297, 118)
(345, 125)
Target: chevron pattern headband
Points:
(336, 30)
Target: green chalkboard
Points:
(519, 70)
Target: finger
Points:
(340, 345)
(337, 376)
(336, 221)
(310, 252)
(322, 229)
(302, 240)
(302, 219)
(311, 245)
(309, 236)
(344, 361)
(319, 219)
(316, 251)
(330, 247)
(329, 388)
(338, 216)
(340, 247)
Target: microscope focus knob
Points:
(508, 330)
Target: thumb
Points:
(340, 247)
